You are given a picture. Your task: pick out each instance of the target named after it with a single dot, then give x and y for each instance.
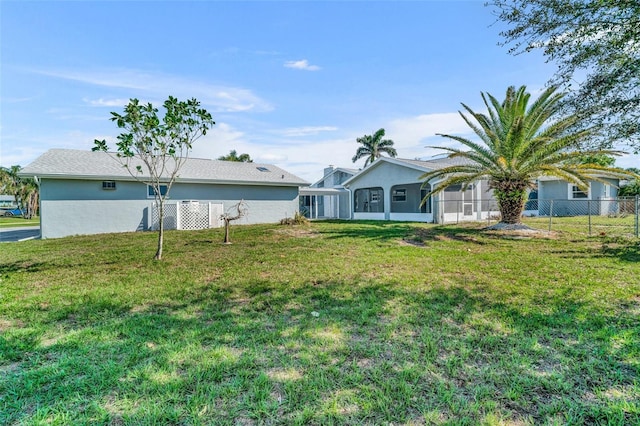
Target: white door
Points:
(468, 204)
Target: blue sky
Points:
(290, 83)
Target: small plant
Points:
(297, 219)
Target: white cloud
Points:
(154, 85)
(16, 100)
(412, 136)
(30, 147)
(306, 131)
(106, 102)
(302, 64)
(218, 141)
(628, 160)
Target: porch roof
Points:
(322, 191)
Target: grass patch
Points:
(14, 222)
(339, 323)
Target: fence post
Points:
(458, 212)
(589, 213)
(178, 218)
(637, 209)
(550, 214)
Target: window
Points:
(262, 169)
(109, 184)
(151, 192)
(399, 195)
(576, 193)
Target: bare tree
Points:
(235, 212)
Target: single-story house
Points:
(391, 189)
(8, 201)
(85, 192)
(557, 197)
(327, 198)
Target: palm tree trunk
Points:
(511, 209)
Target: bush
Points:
(297, 219)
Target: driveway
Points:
(18, 234)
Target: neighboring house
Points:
(391, 189)
(557, 197)
(84, 192)
(7, 202)
(327, 198)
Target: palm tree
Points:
(520, 142)
(24, 190)
(373, 147)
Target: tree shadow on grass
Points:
(625, 250)
(334, 352)
(24, 266)
(407, 231)
(365, 229)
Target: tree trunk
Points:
(226, 231)
(158, 255)
(511, 209)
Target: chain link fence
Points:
(611, 216)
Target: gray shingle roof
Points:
(437, 163)
(75, 164)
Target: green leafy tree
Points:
(373, 146)
(594, 42)
(25, 190)
(632, 188)
(153, 148)
(601, 160)
(233, 156)
(519, 142)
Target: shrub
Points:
(297, 219)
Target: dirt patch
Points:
(296, 231)
(9, 368)
(412, 243)
(519, 231)
(6, 324)
(421, 235)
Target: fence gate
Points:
(188, 215)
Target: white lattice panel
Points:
(194, 216)
(170, 219)
(188, 216)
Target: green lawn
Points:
(15, 221)
(331, 323)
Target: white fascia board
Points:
(145, 179)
